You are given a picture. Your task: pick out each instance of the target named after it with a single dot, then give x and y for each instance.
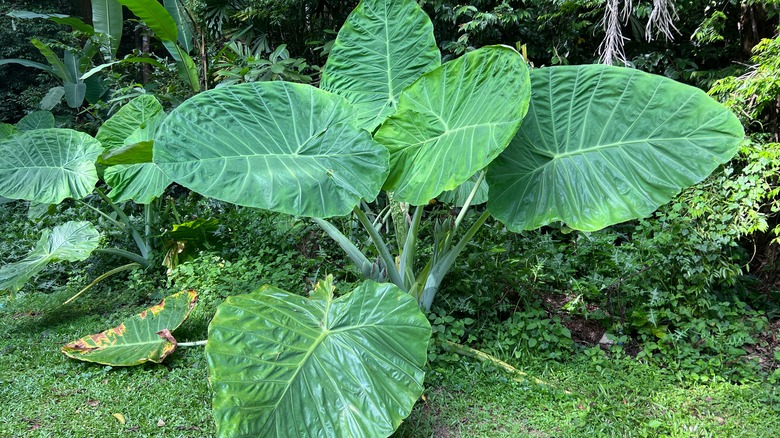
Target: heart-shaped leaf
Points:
(284, 365)
(71, 242)
(284, 147)
(36, 120)
(381, 49)
(453, 121)
(143, 337)
(602, 145)
(48, 165)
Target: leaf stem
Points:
(191, 344)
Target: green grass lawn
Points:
(43, 393)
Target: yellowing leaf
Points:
(120, 418)
(144, 337)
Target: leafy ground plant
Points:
(599, 145)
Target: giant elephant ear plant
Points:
(599, 145)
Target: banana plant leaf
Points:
(36, 120)
(145, 337)
(164, 27)
(381, 49)
(107, 17)
(602, 145)
(57, 65)
(453, 121)
(283, 365)
(71, 242)
(180, 17)
(74, 22)
(284, 147)
(52, 98)
(48, 165)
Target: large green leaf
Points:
(130, 134)
(602, 145)
(36, 120)
(107, 17)
(74, 22)
(179, 14)
(284, 147)
(48, 165)
(140, 182)
(7, 130)
(282, 365)
(28, 63)
(58, 67)
(381, 49)
(453, 121)
(71, 241)
(133, 115)
(164, 27)
(155, 16)
(142, 338)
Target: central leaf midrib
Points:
(554, 156)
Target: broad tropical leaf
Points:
(602, 145)
(36, 120)
(7, 130)
(134, 115)
(134, 153)
(284, 365)
(28, 63)
(48, 165)
(71, 242)
(453, 121)
(145, 337)
(179, 15)
(381, 49)
(73, 22)
(57, 66)
(107, 17)
(164, 27)
(52, 98)
(284, 147)
(140, 182)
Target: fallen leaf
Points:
(93, 403)
(720, 420)
(120, 418)
(160, 423)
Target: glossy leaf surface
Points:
(48, 165)
(283, 365)
(284, 147)
(71, 241)
(381, 49)
(602, 145)
(145, 337)
(453, 121)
